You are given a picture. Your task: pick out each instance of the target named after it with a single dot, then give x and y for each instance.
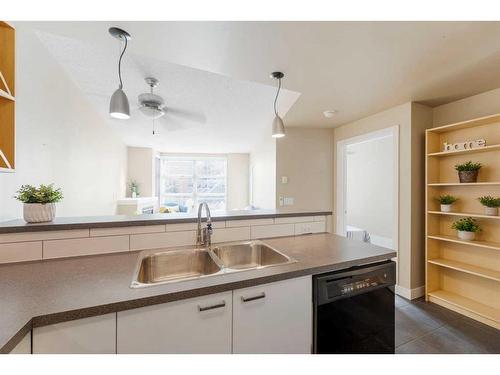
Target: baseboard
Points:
(410, 293)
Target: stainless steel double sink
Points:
(159, 267)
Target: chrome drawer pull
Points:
(218, 306)
(260, 296)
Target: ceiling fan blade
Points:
(194, 116)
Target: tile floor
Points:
(423, 327)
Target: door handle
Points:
(217, 306)
(248, 299)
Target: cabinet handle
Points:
(260, 296)
(217, 306)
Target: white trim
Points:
(410, 293)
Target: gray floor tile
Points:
(410, 325)
(481, 336)
(400, 301)
(451, 341)
(416, 347)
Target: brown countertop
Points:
(64, 223)
(39, 293)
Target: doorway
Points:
(367, 188)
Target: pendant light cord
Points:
(276, 98)
(120, 63)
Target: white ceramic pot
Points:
(466, 236)
(493, 211)
(446, 208)
(38, 212)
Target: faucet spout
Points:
(204, 236)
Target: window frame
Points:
(195, 195)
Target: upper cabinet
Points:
(7, 97)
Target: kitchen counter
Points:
(116, 221)
(40, 293)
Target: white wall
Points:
(305, 156)
(60, 139)
(370, 186)
(263, 173)
(141, 169)
(237, 181)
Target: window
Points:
(187, 181)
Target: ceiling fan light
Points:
(278, 127)
(118, 106)
(151, 112)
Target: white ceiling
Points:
(221, 68)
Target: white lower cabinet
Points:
(273, 318)
(196, 325)
(94, 335)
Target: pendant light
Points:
(278, 125)
(118, 106)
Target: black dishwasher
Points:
(354, 310)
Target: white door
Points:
(367, 187)
(95, 335)
(196, 325)
(273, 318)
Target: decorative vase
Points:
(446, 208)
(492, 211)
(467, 176)
(38, 212)
(134, 194)
(466, 236)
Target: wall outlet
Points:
(284, 179)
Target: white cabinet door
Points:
(24, 346)
(94, 335)
(196, 325)
(273, 318)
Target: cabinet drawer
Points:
(95, 335)
(273, 318)
(196, 325)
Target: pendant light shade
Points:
(278, 125)
(119, 107)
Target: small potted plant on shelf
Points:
(134, 189)
(466, 228)
(467, 172)
(490, 204)
(39, 203)
(446, 201)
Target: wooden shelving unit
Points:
(7, 100)
(463, 276)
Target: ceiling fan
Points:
(153, 107)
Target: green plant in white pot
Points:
(490, 204)
(39, 203)
(446, 201)
(467, 228)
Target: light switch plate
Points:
(288, 201)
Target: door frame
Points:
(341, 181)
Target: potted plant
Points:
(466, 228)
(467, 172)
(39, 203)
(134, 189)
(446, 201)
(490, 205)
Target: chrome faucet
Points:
(204, 236)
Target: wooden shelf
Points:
(469, 151)
(466, 124)
(467, 268)
(6, 95)
(476, 243)
(465, 183)
(465, 214)
(449, 299)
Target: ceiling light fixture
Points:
(278, 125)
(330, 113)
(118, 105)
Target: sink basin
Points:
(251, 254)
(161, 267)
